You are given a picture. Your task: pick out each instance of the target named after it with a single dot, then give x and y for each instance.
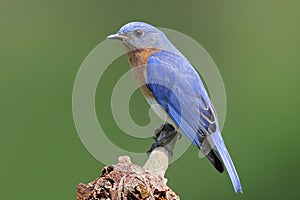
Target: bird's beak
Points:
(117, 36)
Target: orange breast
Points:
(138, 60)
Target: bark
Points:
(127, 181)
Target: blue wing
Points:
(177, 87)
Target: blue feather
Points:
(177, 87)
(220, 147)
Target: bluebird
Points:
(169, 80)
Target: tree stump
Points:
(126, 181)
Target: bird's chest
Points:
(140, 56)
(138, 60)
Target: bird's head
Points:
(140, 35)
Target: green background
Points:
(255, 44)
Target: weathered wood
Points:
(126, 181)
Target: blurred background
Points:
(255, 45)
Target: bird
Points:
(168, 79)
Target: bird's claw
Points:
(163, 138)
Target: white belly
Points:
(160, 111)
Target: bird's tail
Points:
(219, 146)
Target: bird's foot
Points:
(166, 137)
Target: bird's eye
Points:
(138, 33)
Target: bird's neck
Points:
(139, 57)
